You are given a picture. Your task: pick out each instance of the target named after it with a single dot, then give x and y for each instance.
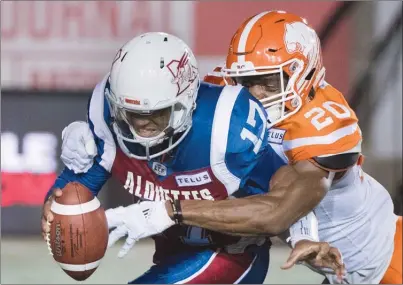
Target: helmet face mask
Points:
(274, 87)
(282, 46)
(145, 126)
(152, 92)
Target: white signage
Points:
(71, 44)
(38, 153)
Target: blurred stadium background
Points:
(53, 53)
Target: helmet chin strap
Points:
(167, 134)
(173, 142)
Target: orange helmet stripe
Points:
(243, 39)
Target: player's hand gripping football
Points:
(137, 221)
(317, 254)
(47, 216)
(78, 148)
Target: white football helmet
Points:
(152, 72)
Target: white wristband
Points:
(305, 228)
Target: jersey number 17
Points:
(251, 121)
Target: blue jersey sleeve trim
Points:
(99, 120)
(93, 179)
(219, 138)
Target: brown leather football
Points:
(79, 232)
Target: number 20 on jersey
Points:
(320, 117)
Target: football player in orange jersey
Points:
(277, 56)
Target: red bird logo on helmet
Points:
(183, 72)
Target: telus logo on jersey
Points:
(276, 136)
(145, 189)
(193, 179)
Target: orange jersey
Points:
(322, 127)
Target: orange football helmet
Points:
(217, 78)
(276, 42)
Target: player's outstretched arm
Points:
(295, 191)
(240, 154)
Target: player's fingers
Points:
(57, 192)
(44, 220)
(45, 226)
(330, 261)
(288, 264)
(130, 241)
(48, 203)
(117, 234)
(337, 255)
(49, 217)
(338, 262)
(114, 217)
(46, 212)
(338, 270)
(324, 248)
(297, 255)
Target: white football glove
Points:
(78, 147)
(137, 221)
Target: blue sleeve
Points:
(93, 179)
(99, 120)
(98, 117)
(260, 176)
(239, 138)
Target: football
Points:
(79, 232)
